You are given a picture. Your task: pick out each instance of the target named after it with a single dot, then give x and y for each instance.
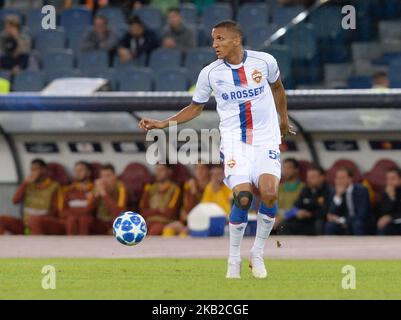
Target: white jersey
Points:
(244, 99)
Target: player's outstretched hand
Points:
(149, 124)
(287, 129)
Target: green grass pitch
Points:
(196, 279)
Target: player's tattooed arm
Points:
(188, 113)
(280, 100)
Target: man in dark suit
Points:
(349, 211)
(309, 212)
(389, 222)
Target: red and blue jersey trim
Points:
(245, 113)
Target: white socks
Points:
(264, 227)
(236, 234)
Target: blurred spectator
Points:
(41, 198)
(160, 201)
(136, 4)
(99, 37)
(306, 3)
(109, 200)
(309, 212)
(15, 46)
(290, 189)
(136, 42)
(12, 59)
(380, 80)
(349, 211)
(390, 221)
(89, 4)
(201, 5)
(165, 5)
(176, 34)
(216, 191)
(76, 198)
(12, 29)
(192, 195)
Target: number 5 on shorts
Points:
(274, 155)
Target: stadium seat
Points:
(337, 72)
(304, 165)
(395, 80)
(96, 167)
(199, 57)
(51, 75)
(189, 13)
(50, 40)
(326, 20)
(390, 29)
(135, 79)
(304, 53)
(58, 60)
(180, 174)
(135, 176)
(192, 75)
(365, 50)
(283, 56)
(171, 80)
(386, 59)
(74, 36)
(216, 13)
(359, 82)
(257, 35)
(302, 41)
(138, 62)
(395, 73)
(341, 163)
(165, 58)
(203, 38)
(75, 17)
(28, 81)
(151, 17)
(391, 9)
(284, 14)
(93, 61)
(4, 75)
(34, 22)
(109, 74)
(251, 15)
(377, 175)
(114, 15)
(57, 172)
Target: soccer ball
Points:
(129, 228)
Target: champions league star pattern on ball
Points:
(129, 228)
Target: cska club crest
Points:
(231, 163)
(257, 76)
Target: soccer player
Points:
(249, 96)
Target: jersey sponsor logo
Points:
(225, 96)
(246, 93)
(257, 76)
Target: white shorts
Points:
(244, 163)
